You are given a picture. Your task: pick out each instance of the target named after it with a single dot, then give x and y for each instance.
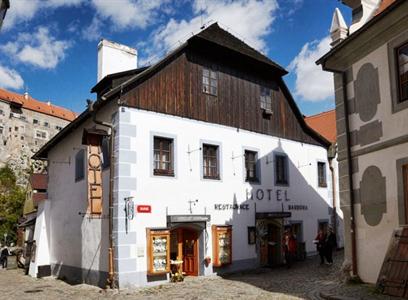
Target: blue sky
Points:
(49, 46)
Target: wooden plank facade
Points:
(175, 88)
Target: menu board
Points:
(158, 249)
(222, 245)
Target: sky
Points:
(49, 47)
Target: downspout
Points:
(332, 155)
(350, 176)
(111, 267)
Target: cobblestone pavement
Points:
(305, 280)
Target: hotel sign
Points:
(94, 179)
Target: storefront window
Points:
(158, 249)
(222, 245)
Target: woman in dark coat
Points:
(320, 242)
(331, 243)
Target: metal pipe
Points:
(334, 214)
(111, 268)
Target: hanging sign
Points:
(94, 179)
(144, 209)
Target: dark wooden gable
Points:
(175, 88)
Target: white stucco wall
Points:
(78, 243)
(171, 195)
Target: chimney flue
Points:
(26, 95)
(114, 58)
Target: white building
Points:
(211, 159)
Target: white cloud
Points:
(128, 13)
(248, 19)
(312, 83)
(25, 10)
(39, 49)
(10, 79)
(93, 31)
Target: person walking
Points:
(3, 256)
(289, 247)
(320, 242)
(331, 243)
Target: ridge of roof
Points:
(321, 114)
(37, 105)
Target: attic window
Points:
(403, 72)
(266, 100)
(210, 84)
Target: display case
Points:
(158, 251)
(222, 245)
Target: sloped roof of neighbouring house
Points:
(36, 105)
(324, 124)
(39, 181)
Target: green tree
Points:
(12, 199)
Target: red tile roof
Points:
(324, 124)
(39, 181)
(38, 106)
(384, 4)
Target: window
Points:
(210, 82)
(105, 152)
(158, 251)
(281, 169)
(35, 121)
(210, 162)
(40, 134)
(22, 138)
(1, 129)
(266, 99)
(15, 128)
(251, 158)
(80, 165)
(163, 156)
(46, 124)
(402, 53)
(59, 128)
(321, 173)
(1, 112)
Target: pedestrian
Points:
(331, 243)
(3, 256)
(320, 242)
(289, 247)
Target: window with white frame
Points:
(211, 165)
(210, 82)
(163, 156)
(251, 158)
(41, 134)
(321, 172)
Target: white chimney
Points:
(26, 95)
(363, 11)
(114, 58)
(338, 29)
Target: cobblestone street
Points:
(305, 280)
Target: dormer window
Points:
(210, 84)
(266, 100)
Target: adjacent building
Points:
(325, 124)
(369, 60)
(203, 158)
(4, 6)
(26, 124)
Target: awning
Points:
(28, 221)
(273, 215)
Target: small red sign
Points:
(144, 209)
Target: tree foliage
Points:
(12, 199)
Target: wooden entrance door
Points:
(190, 252)
(405, 178)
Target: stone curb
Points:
(328, 296)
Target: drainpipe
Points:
(332, 155)
(350, 176)
(111, 267)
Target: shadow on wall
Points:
(82, 240)
(269, 205)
